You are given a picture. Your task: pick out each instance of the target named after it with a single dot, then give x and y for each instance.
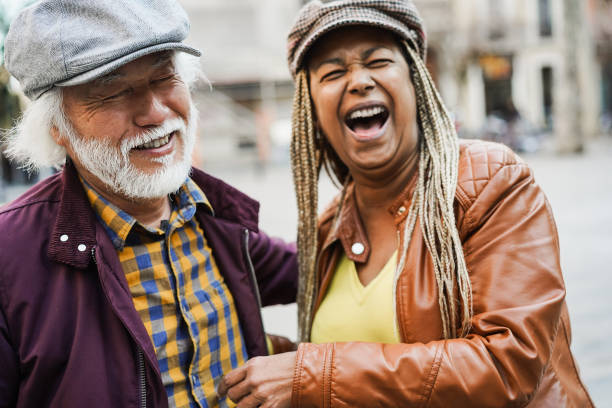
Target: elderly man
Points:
(124, 281)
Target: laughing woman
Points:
(433, 279)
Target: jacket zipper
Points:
(249, 262)
(396, 326)
(142, 383)
(403, 237)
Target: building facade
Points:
(534, 58)
(537, 59)
(603, 40)
(549, 61)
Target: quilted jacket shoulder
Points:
(479, 162)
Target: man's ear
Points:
(57, 137)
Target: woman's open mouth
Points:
(367, 123)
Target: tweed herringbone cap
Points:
(319, 17)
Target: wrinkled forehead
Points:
(137, 68)
(345, 38)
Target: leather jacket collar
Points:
(349, 229)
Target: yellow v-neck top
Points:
(352, 312)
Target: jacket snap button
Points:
(401, 210)
(64, 238)
(82, 247)
(357, 248)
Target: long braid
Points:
(432, 202)
(434, 195)
(305, 166)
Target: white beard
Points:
(113, 167)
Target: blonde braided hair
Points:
(305, 165)
(432, 202)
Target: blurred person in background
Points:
(434, 278)
(129, 278)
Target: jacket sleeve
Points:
(275, 264)
(511, 249)
(9, 377)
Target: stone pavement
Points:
(579, 188)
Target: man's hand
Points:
(262, 382)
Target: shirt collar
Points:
(118, 224)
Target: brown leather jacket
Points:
(517, 353)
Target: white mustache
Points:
(169, 126)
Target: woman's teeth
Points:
(367, 121)
(155, 143)
(366, 113)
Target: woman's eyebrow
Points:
(370, 51)
(339, 61)
(334, 61)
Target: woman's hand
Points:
(261, 382)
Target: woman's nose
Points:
(360, 81)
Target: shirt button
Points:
(64, 238)
(401, 210)
(82, 247)
(357, 248)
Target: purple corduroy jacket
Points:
(69, 333)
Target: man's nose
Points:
(150, 109)
(360, 81)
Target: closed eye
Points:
(337, 73)
(117, 95)
(164, 79)
(379, 63)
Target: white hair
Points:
(30, 144)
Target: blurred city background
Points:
(533, 74)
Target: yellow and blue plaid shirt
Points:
(180, 295)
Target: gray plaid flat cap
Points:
(319, 17)
(71, 42)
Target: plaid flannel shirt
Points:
(180, 295)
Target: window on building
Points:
(497, 26)
(545, 18)
(606, 79)
(547, 96)
(497, 75)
